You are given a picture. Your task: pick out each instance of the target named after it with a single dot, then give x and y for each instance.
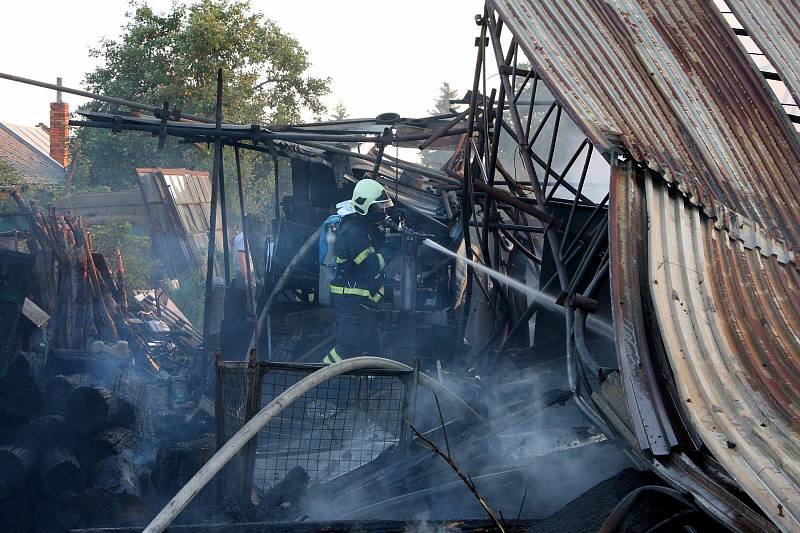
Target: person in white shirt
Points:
(241, 261)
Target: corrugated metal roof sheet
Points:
(34, 136)
(627, 227)
(181, 222)
(774, 25)
(27, 149)
(729, 320)
(707, 312)
(669, 81)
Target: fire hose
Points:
(239, 440)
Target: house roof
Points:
(27, 149)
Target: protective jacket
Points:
(359, 265)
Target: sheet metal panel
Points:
(729, 318)
(627, 225)
(774, 25)
(670, 82)
(179, 206)
(101, 207)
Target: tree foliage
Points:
(442, 103)
(340, 112)
(9, 176)
(173, 56)
(135, 249)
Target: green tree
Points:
(135, 249)
(441, 105)
(340, 112)
(173, 56)
(38, 195)
(9, 176)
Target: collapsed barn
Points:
(600, 278)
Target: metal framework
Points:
(511, 216)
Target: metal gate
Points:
(333, 429)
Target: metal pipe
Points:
(532, 103)
(423, 136)
(387, 133)
(443, 130)
(212, 223)
(110, 99)
(575, 201)
(489, 204)
(512, 183)
(366, 120)
(226, 256)
(511, 227)
(539, 161)
(518, 94)
(435, 175)
(519, 246)
(552, 236)
(249, 280)
(276, 172)
(240, 439)
(577, 193)
(541, 126)
(533, 307)
(584, 354)
(204, 134)
(594, 244)
(466, 202)
(597, 209)
(582, 404)
(515, 202)
(553, 141)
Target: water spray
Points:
(592, 322)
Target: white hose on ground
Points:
(252, 427)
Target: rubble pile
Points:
(99, 425)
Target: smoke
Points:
(420, 524)
(534, 439)
(595, 324)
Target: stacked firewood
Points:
(91, 433)
(70, 442)
(74, 284)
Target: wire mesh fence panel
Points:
(231, 414)
(231, 408)
(334, 428)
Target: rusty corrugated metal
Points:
(669, 81)
(774, 25)
(712, 495)
(627, 225)
(715, 303)
(728, 318)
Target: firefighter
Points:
(357, 285)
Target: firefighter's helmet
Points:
(367, 193)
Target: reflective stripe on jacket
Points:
(359, 267)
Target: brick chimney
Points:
(59, 129)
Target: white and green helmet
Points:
(367, 193)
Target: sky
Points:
(381, 56)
